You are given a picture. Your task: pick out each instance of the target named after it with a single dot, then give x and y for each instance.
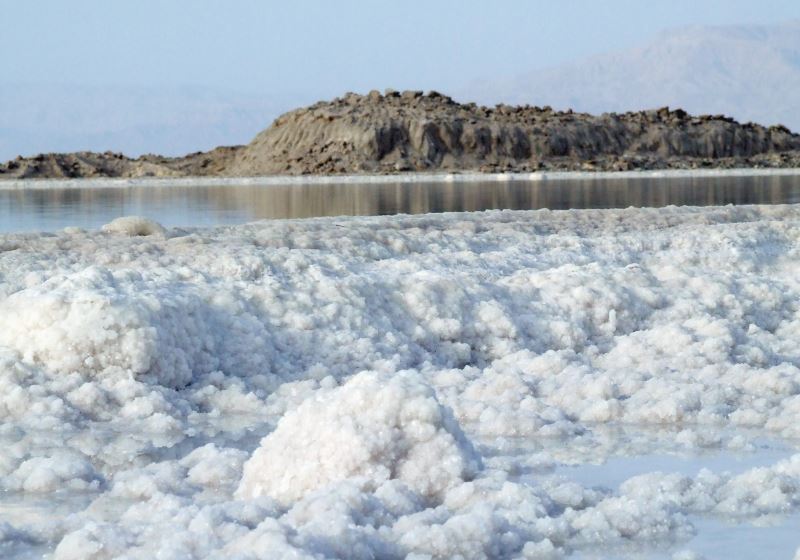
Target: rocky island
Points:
(395, 132)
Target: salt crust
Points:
(134, 226)
(143, 372)
(376, 427)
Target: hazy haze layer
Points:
(751, 73)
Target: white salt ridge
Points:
(375, 428)
(372, 355)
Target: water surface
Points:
(51, 209)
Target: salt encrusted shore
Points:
(456, 177)
(399, 386)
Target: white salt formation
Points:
(134, 226)
(376, 428)
(394, 386)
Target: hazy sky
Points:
(327, 47)
(173, 76)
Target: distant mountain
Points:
(751, 73)
(36, 118)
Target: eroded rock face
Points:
(411, 131)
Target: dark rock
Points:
(410, 95)
(414, 132)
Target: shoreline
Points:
(453, 177)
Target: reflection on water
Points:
(90, 207)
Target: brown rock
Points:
(414, 132)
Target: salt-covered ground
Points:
(408, 178)
(398, 386)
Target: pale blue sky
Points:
(327, 47)
(173, 76)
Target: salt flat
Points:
(395, 386)
(403, 178)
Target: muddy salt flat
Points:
(580, 383)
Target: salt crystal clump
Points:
(64, 470)
(549, 334)
(375, 427)
(101, 324)
(93, 541)
(134, 226)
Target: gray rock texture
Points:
(411, 131)
(110, 164)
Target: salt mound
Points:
(134, 226)
(100, 323)
(375, 427)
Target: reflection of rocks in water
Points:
(302, 201)
(49, 209)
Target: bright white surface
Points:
(460, 358)
(12, 184)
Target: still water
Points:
(51, 209)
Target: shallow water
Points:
(717, 538)
(51, 209)
(616, 470)
(622, 453)
(763, 537)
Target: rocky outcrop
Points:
(110, 164)
(411, 131)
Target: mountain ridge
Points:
(750, 72)
(410, 131)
